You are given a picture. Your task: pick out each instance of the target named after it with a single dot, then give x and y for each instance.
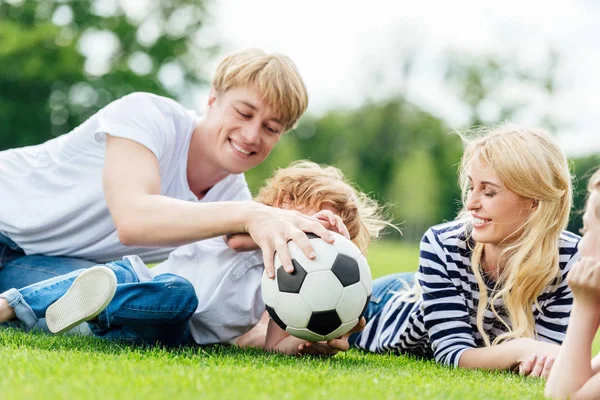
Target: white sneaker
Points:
(90, 293)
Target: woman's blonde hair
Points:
(530, 164)
(305, 184)
(274, 75)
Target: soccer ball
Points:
(323, 298)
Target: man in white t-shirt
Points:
(144, 175)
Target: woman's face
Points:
(496, 212)
(590, 244)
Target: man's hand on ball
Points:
(271, 228)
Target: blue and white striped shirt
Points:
(442, 322)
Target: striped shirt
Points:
(442, 322)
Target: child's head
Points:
(274, 75)
(305, 185)
(590, 244)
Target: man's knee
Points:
(181, 290)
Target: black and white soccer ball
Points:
(323, 298)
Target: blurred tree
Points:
(62, 60)
(497, 89)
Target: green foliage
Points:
(48, 86)
(583, 168)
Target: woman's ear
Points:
(535, 204)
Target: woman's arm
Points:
(528, 355)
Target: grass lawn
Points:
(67, 367)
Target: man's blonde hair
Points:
(530, 164)
(274, 75)
(305, 184)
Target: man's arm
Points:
(143, 217)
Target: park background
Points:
(389, 84)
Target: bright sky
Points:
(340, 45)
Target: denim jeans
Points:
(18, 270)
(384, 289)
(141, 312)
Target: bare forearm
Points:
(154, 220)
(573, 366)
(499, 357)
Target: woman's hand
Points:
(584, 281)
(538, 367)
(537, 358)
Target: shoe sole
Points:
(90, 293)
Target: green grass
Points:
(57, 367)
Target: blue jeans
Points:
(18, 270)
(141, 312)
(384, 289)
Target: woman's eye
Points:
(490, 194)
(243, 115)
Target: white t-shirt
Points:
(51, 196)
(227, 284)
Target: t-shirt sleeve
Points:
(445, 312)
(555, 311)
(137, 117)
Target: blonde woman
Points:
(575, 374)
(491, 290)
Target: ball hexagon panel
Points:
(292, 310)
(304, 333)
(346, 269)
(324, 322)
(345, 246)
(291, 282)
(321, 291)
(365, 274)
(352, 302)
(326, 255)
